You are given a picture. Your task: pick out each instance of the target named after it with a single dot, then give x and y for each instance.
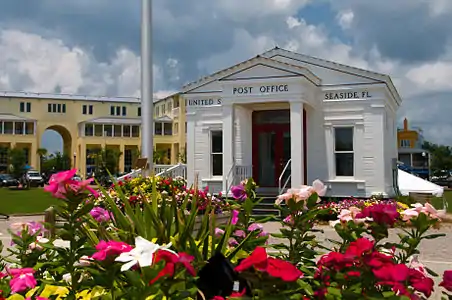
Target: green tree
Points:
(17, 161)
(183, 156)
(42, 153)
(160, 157)
(107, 160)
(441, 156)
(56, 162)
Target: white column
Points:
(191, 142)
(296, 143)
(228, 143)
(24, 128)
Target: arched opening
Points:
(55, 152)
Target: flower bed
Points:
(138, 190)
(119, 252)
(334, 208)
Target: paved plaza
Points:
(435, 254)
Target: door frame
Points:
(279, 130)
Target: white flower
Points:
(39, 240)
(84, 261)
(59, 243)
(67, 278)
(142, 254)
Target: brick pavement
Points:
(435, 254)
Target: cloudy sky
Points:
(92, 46)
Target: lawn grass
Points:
(438, 203)
(31, 201)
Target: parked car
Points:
(7, 180)
(34, 178)
(77, 178)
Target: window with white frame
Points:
(405, 144)
(344, 151)
(216, 152)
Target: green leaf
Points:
(434, 236)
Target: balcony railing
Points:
(237, 174)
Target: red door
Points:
(271, 151)
(271, 147)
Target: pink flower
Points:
(233, 242)
(22, 279)
(219, 232)
(350, 215)
(100, 214)
(38, 298)
(263, 233)
(255, 226)
(303, 193)
(61, 182)
(235, 217)
(288, 220)
(110, 248)
(418, 208)
(240, 233)
(238, 192)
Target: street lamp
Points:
(147, 99)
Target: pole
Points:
(147, 99)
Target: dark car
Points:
(7, 180)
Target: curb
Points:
(26, 215)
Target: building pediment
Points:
(256, 68)
(280, 63)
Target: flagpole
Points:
(147, 99)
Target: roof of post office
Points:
(257, 60)
(270, 57)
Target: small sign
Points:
(347, 95)
(203, 102)
(264, 89)
(141, 163)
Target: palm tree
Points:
(42, 152)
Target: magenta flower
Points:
(235, 217)
(240, 233)
(233, 242)
(110, 248)
(100, 214)
(22, 279)
(238, 192)
(61, 182)
(219, 232)
(255, 226)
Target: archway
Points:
(55, 151)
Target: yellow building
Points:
(408, 138)
(86, 123)
(414, 158)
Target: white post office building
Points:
(286, 119)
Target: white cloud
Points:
(432, 76)
(32, 63)
(439, 7)
(240, 10)
(345, 18)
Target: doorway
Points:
(271, 146)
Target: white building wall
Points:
(243, 135)
(316, 145)
(374, 158)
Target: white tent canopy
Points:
(409, 183)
